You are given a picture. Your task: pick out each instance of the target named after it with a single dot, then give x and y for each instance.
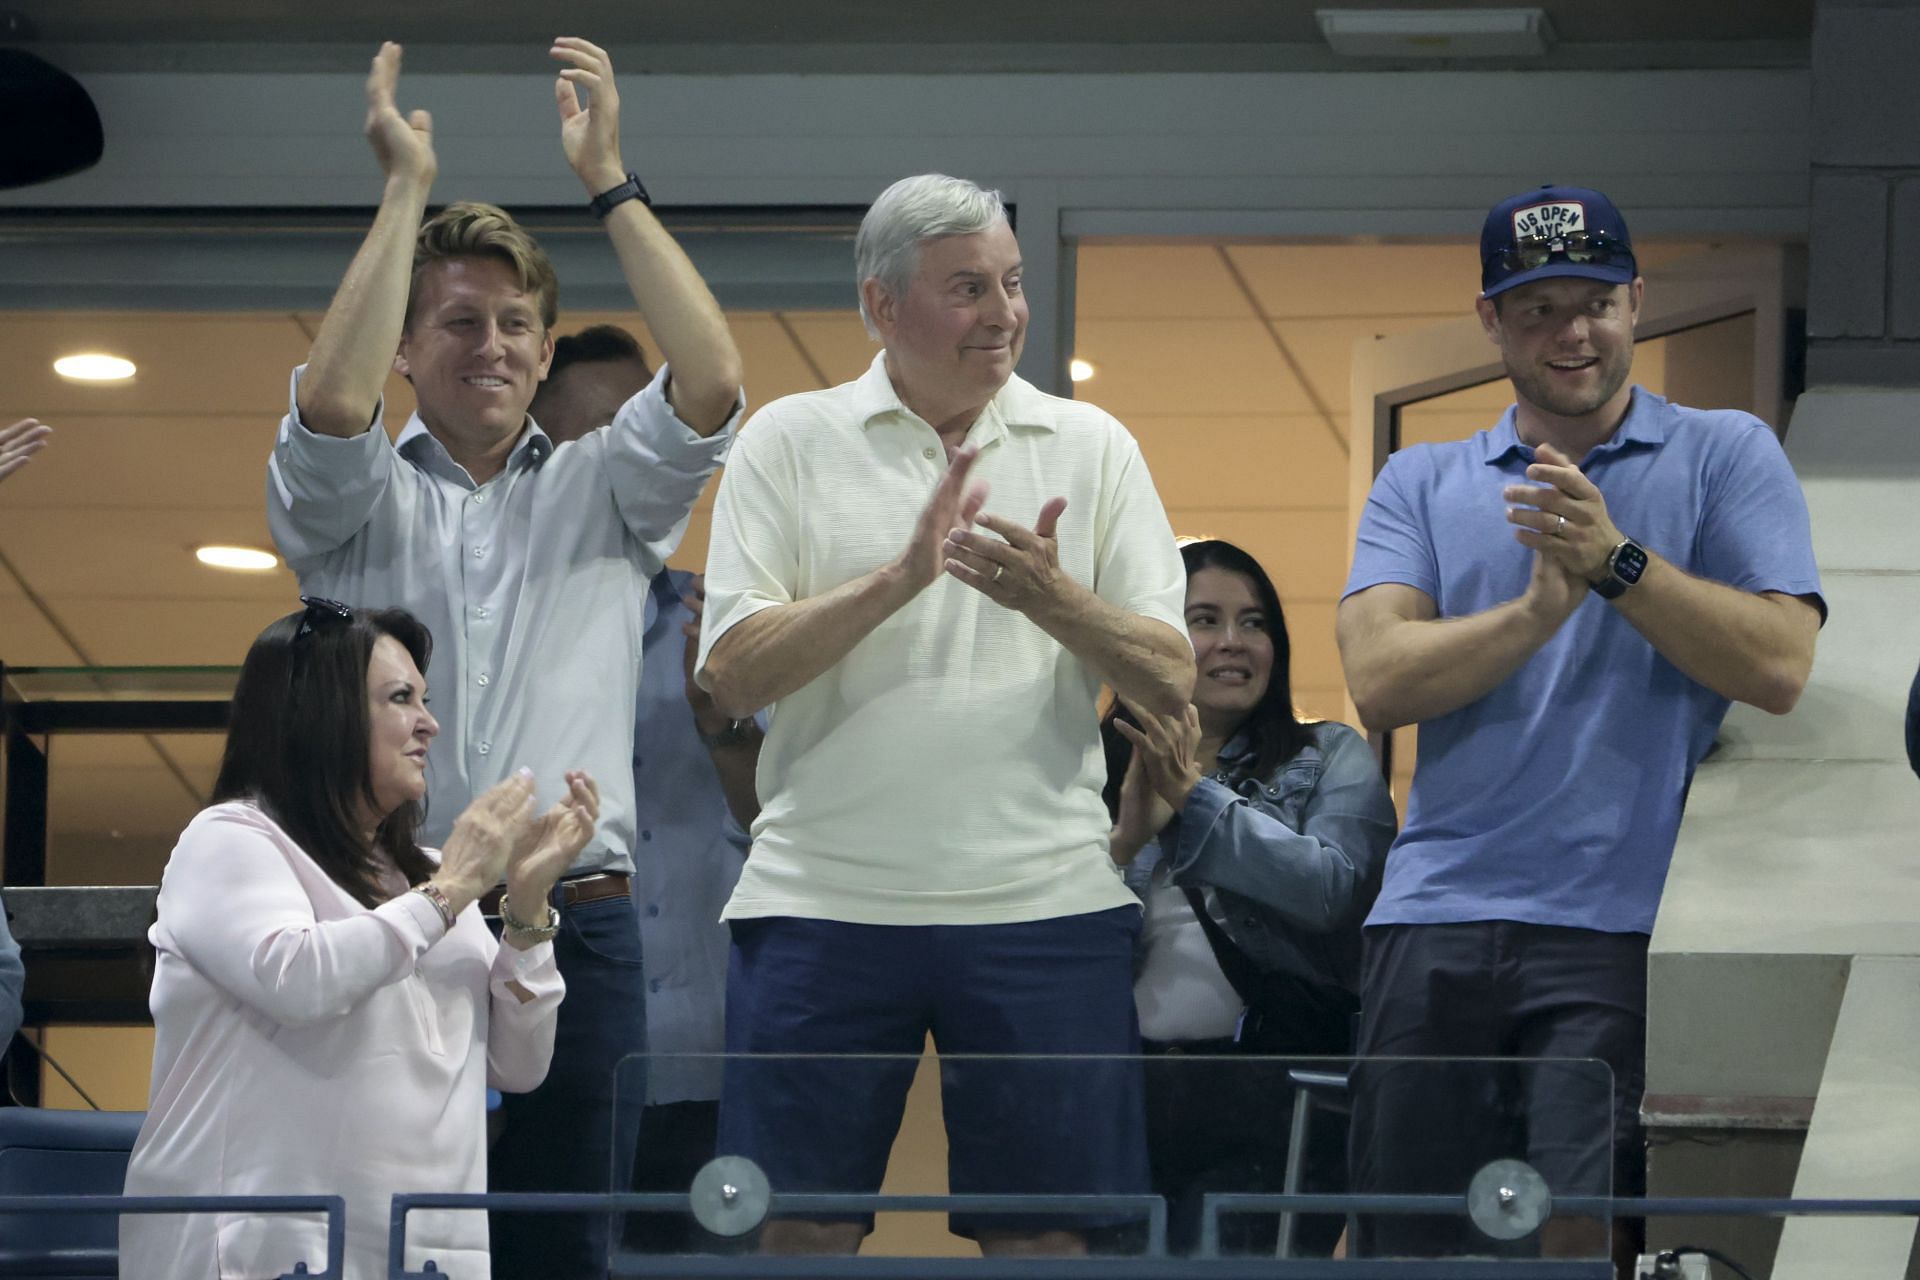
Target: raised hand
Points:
(1018, 570)
(954, 505)
(403, 144)
(1167, 748)
(19, 442)
(1564, 520)
(1563, 515)
(558, 837)
(589, 135)
(485, 838)
(1143, 811)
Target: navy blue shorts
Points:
(1496, 989)
(1064, 1125)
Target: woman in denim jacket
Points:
(1277, 831)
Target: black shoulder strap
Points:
(1240, 971)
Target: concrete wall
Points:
(1863, 317)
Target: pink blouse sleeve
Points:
(234, 909)
(520, 1033)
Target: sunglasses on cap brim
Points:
(1587, 248)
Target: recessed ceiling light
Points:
(242, 559)
(1081, 370)
(92, 366)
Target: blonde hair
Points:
(473, 230)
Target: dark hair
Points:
(297, 744)
(1275, 733)
(595, 344)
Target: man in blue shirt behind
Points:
(1566, 604)
(693, 772)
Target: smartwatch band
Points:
(632, 189)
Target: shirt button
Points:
(482, 611)
(484, 748)
(654, 985)
(653, 908)
(478, 552)
(485, 679)
(646, 835)
(929, 452)
(480, 497)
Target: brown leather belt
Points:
(589, 888)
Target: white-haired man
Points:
(931, 851)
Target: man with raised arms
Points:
(528, 562)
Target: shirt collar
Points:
(417, 444)
(1648, 423)
(1239, 745)
(1017, 404)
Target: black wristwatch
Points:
(632, 189)
(1624, 567)
(737, 733)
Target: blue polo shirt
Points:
(1555, 798)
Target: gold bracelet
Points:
(537, 932)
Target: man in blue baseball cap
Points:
(1566, 604)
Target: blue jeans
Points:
(566, 1135)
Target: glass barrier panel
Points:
(1175, 1154)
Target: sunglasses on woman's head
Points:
(321, 612)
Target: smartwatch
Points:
(1624, 567)
(632, 189)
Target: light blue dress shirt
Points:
(530, 583)
(689, 854)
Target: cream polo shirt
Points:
(948, 769)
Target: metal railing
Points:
(1152, 1263)
(334, 1207)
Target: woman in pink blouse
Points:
(328, 1005)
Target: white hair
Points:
(908, 214)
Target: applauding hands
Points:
(554, 841)
(590, 135)
(402, 144)
(19, 442)
(498, 838)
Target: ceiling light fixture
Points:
(1081, 370)
(239, 559)
(92, 366)
(1436, 33)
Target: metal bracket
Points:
(730, 1196)
(1508, 1199)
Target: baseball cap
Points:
(1554, 231)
